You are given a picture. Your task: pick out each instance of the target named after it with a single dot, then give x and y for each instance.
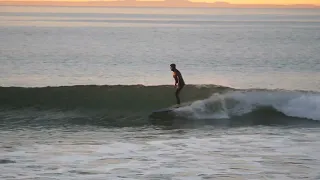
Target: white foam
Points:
(237, 103)
(194, 154)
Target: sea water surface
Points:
(79, 87)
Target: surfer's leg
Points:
(177, 94)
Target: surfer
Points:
(179, 82)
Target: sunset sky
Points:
(211, 1)
(267, 1)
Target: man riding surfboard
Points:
(179, 82)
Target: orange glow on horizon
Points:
(275, 2)
(267, 1)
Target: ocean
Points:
(80, 87)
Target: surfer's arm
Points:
(176, 78)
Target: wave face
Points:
(127, 106)
(117, 105)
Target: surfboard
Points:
(162, 116)
(165, 110)
(172, 108)
(165, 116)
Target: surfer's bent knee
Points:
(179, 89)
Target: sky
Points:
(269, 1)
(169, 3)
(283, 2)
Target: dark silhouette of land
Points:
(165, 3)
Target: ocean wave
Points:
(234, 104)
(93, 97)
(133, 105)
(114, 105)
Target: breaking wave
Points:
(239, 103)
(133, 105)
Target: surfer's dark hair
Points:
(173, 65)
